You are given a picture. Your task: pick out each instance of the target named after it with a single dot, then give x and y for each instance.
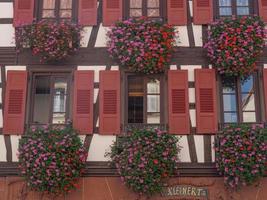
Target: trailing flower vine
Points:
(145, 159)
(241, 154)
(234, 45)
(142, 45)
(50, 40)
(51, 159)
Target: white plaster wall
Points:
(1, 118)
(15, 144)
(2, 149)
(7, 34)
(191, 8)
(101, 40)
(192, 114)
(197, 31)
(191, 68)
(212, 148)
(265, 65)
(184, 155)
(114, 68)
(85, 36)
(192, 98)
(173, 67)
(99, 146)
(6, 10)
(95, 68)
(199, 142)
(182, 40)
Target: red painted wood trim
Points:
(177, 12)
(23, 12)
(202, 11)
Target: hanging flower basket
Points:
(51, 159)
(50, 40)
(234, 45)
(142, 45)
(241, 154)
(145, 159)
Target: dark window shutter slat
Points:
(23, 12)
(112, 11)
(263, 9)
(109, 96)
(14, 111)
(178, 102)
(88, 12)
(206, 103)
(177, 12)
(83, 101)
(202, 11)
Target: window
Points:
(50, 97)
(228, 8)
(239, 100)
(57, 9)
(144, 100)
(149, 8)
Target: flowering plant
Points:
(142, 45)
(51, 159)
(52, 41)
(145, 159)
(234, 45)
(241, 154)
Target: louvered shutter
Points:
(202, 11)
(177, 12)
(206, 103)
(83, 101)
(109, 96)
(15, 101)
(263, 9)
(178, 102)
(88, 12)
(265, 90)
(23, 12)
(112, 11)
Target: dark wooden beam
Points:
(207, 148)
(8, 148)
(190, 27)
(6, 21)
(192, 148)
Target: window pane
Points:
(229, 102)
(135, 12)
(249, 117)
(48, 14)
(242, 2)
(153, 12)
(65, 14)
(41, 100)
(247, 86)
(59, 103)
(59, 118)
(242, 11)
(65, 4)
(248, 102)
(230, 117)
(153, 3)
(225, 11)
(153, 103)
(224, 2)
(49, 4)
(135, 3)
(153, 87)
(228, 90)
(153, 118)
(61, 85)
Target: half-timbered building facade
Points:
(103, 100)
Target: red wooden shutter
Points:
(206, 103)
(15, 101)
(178, 102)
(83, 101)
(88, 12)
(23, 12)
(263, 9)
(109, 96)
(265, 90)
(202, 11)
(112, 11)
(177, 12)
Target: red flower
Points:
(155, 161)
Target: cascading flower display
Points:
(51, 159)
(145, 159)
(51, 40)
(234, 45)
(142, 45)
(241, 154)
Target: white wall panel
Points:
(173, 67)
(1, 118)
(101, 40)
(265, 65)
(95, 68)
(86, 36)
(2, 149)
(192, 97)
(197, 31)
(15, 145)
(191, 68)
(6, 10)
(192, 113)
(212, 148)
(99, 146)
(7, 34)
(199, 142)
(96, 91)
(191, 8)
(182, 40)
(184, 155)
(114, 68)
